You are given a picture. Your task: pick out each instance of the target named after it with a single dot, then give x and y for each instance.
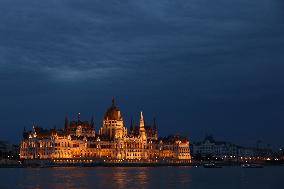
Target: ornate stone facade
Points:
(78, 140)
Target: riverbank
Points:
(116, 163)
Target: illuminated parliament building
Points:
(78, 140)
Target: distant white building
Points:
(8, 150)
(246, 152)
(220, 149)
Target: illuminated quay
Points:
(78, 142)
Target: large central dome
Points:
(113, 113)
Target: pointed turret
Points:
(154, 124)
(25, 133)
(92, 122)
(66, 124)
(131, 125)
(142, 123)
(142, 132)
(79, 119)
(113, 102)
(155, 129)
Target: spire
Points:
(113, 101)
(142, 132)
(25, 134)
(142, 124)
(92, 123)
(79, 116)
(155, 129)
(154, 124)
(66, 125)
(131, 125)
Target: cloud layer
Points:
(206, 64)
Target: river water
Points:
(142, 177)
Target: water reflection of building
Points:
(79, 140)
(124, 177)
(120, 177)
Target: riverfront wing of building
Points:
(79, 140)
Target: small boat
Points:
(211, 165)
(252, 166)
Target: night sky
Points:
(199, 66)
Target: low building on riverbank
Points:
(8, 150)
(209, 148)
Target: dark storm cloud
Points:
(206, 64)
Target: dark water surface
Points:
(142, 177)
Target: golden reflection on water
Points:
(123, 177)
(103, 177)
(140, 177)
(83, 178)
(68, 177)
